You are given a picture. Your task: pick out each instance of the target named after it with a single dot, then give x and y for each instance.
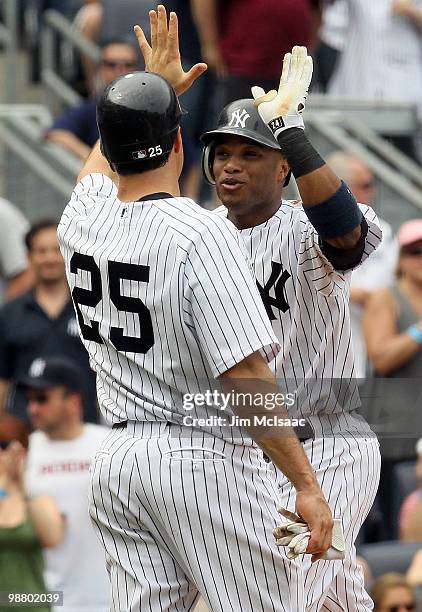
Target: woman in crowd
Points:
(392, 325)
(26, 525)
(393, 319)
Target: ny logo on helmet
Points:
(239, 118)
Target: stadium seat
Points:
(391, 556)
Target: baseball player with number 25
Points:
(166, 302)
(302, 254)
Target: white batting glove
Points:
(295, 535)
(282, 110)
(291, 532)
(298, 545)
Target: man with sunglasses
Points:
(59, 458)
(77, 129)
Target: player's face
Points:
(410, 262)
(45, 257)
(47, 408)
(249, 177)
(117, 60)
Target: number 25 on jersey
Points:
(117, 272)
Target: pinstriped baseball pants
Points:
(178, 518)
(347, 466)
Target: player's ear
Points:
(283, 170)
(178, 142)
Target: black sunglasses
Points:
(42, 397)
(5, 443)
(111, 64)
(410, 607)
(38, 398)
(413, 252)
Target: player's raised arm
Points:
(328, 203)
(163, 55)
(96, 162)
(224, 307)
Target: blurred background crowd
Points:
(364, 112)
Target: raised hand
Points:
(402, 7)
(12, 463)
(282, 109)
(163, 55)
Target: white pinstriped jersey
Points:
(307, 301)
(164, 296)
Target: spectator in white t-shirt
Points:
(381, 59)
(59, 457)
(14, 275)
(382, 56)
(376, 272)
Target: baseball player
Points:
(166, 302)
(302, 254)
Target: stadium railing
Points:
(356, 126)
(39, 176)
(9, 41)
(56, 26)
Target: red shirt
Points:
(255, 34)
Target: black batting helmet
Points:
(240, 118)
(138, 116)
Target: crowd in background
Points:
(49, 421)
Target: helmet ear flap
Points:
(104, 154)
(207, 161)
(103, 151)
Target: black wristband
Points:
(336, 216)
(346, 259)
(299, 153)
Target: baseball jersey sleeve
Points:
(316, 264)
(222, 305)
(92, 190)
